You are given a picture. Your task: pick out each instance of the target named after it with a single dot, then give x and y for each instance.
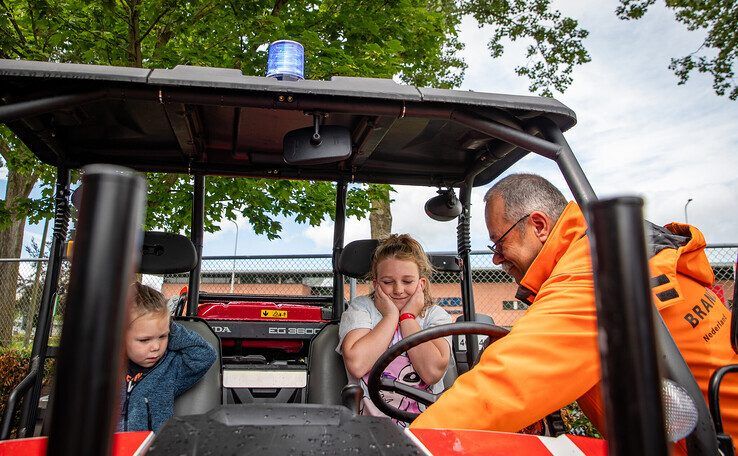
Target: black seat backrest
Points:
(356, 259)
(167, 253)
(326, 371)
(207, 393)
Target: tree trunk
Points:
(134, 35)
(380, 218)
(11, 244)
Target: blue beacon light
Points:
(286, 60)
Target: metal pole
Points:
(338, 232)
(45, 311)
(235, 252)
(686, 220)
(508, 134)
(631, 377)
(37, 106)
(463, 241)
(196, 235)
(36, 284)
(567, 163)
(107, 252)
(352, 288)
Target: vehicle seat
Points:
(167, 253)
(170, 253)
(207, 393)
(326, 371)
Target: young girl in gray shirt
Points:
(400, 305)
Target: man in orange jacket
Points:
(550, 357)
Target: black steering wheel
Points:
(377, 383)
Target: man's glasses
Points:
(496, 248)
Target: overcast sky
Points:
(638, 132)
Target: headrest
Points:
(167, 253)
(356, 259)
(445, 263)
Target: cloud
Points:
(322, 235)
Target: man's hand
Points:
(384, 303)
(416, 302)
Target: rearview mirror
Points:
(300, 147)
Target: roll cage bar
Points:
(472, 137)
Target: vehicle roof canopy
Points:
(218, 121)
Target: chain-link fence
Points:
(21, 288)
(21, 285)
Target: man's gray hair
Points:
(525, 193)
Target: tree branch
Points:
(18, 52)
(33, 23)
(166, 32)
(204, 11)
(215, 45)
(126, 4)
(12, 21)
(124, 16)
(278, 6)
(4, 150)
(96, 34)
(153, 23)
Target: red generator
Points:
(265, 344)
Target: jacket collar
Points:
(568, 228)
(691, 259)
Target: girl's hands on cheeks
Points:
(416, 302)
(384, 304)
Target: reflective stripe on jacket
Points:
(550, 357)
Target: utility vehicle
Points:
(279, 386)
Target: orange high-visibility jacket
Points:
(550, 357)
